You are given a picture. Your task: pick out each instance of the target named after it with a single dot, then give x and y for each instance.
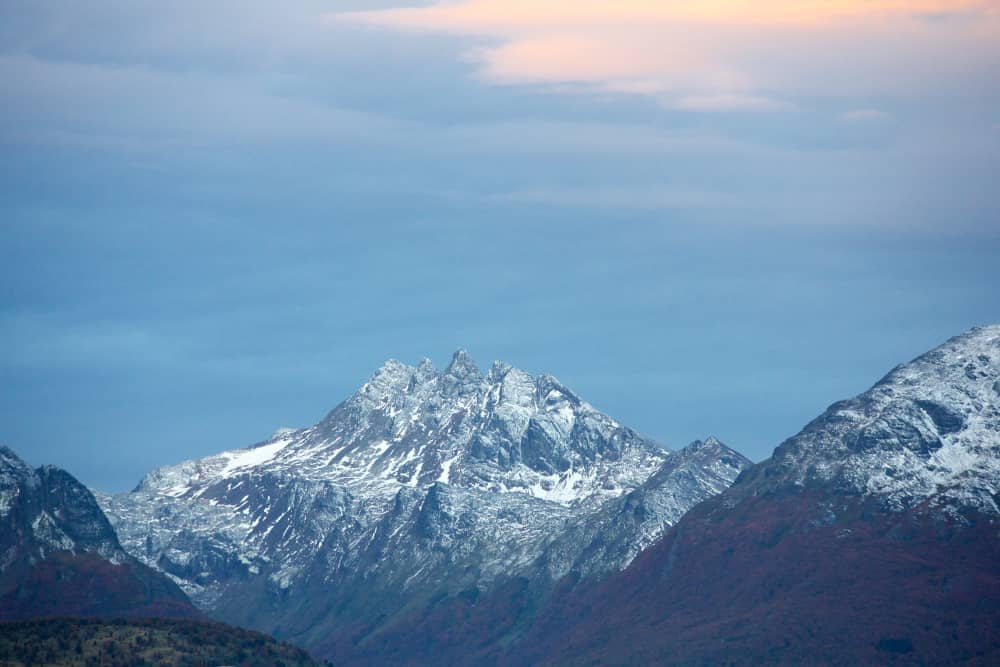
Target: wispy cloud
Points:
(135, 106)
(865, 116)
(618, 198)
(712, 103)
(721, 55)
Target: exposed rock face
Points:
(422, 486)
(871, 537)
(926, 434)
(59, 554)
(44, 511)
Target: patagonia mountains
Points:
(494, 517)
(59, 556)
(423, 487)
(870, 537)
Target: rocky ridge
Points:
(423, 482)
(878, 521)
(59, 555)
(927, 434)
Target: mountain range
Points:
(470, 517)
(870, 537)
(423, 486)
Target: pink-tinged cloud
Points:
(504, 16)
(715, 55)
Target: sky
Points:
(219, 219)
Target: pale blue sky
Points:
(217, 222)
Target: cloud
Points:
(865, 116)
(503, 16)
(714, 56)
(583, 141)
(618, 198)
(730, 103)
(139, 107)
(47, 340)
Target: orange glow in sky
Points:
(503, 15)
(714, 55)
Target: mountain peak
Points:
(410, 427)
(929, 430)
(61, 556)
(462, 377)
(462, 364)
(8, 454)
(391, 367)
(711, 449)
(498, 369)
(418, 478)
(711, 442)
(10, 462)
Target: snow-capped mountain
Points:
(59, 554)
(505, 431)
(870, 537)
(422, 484)
(45, 511)
(612, 537)
(927, 433)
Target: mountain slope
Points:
(872, 536)
(135, 642)
(59, 554)
(421, 487)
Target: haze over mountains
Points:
(471, 517)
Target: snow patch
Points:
(250, 458)
(445, 476)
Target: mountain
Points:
(59, 556)
(421, 489)
(870, 537)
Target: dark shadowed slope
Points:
(873, 536)
(59, 556)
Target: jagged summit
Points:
(425, 370)
(421, 480)
(54, 510)
(462, 364)
(505, 431)
(12, 468)
(709, 443)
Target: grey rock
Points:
(422, 484)
(927, 434)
